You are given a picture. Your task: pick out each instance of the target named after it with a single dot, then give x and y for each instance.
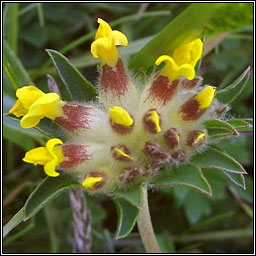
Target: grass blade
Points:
(11, 25)
(185, 27)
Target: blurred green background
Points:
(183, 219)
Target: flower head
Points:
(136, 133)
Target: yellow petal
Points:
(50, 145)
(56, 154)
(188, 53)
(103, 30)
(173, 71)
(105, 49)
(49, 105)
(119, 38)
(156, 120)
(30, 121)
(49, 168)
(28, 95)
(18, 109)
(37, 156)
(89, 182)
(205, 97)
(120, 116)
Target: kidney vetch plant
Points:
(136, 135)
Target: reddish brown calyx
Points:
(196, 138)
(191, 111)
(190, 84)
(197, 105)
(121, 129)
(127, 175)
(172, 138)
(75, 117)
(73, 155)
(121, 153)
(114, 80)
(162, 89)
(154, 151)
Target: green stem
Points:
(145, 225)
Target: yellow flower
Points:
(183, 61)
(50, 156)
(173, 71)
(33, 105)
(188, 53)
(104, 46)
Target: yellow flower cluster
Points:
(133, 123)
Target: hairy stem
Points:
(145, 225)
(81, 222)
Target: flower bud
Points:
(121, 153)
(194, 108)
(172, 138)
(128, 175)
(120, 120)
(154, 151)
(152, 121)
(196, 138)
(94, 180)
(179, 156)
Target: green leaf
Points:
(237, 179)
(46, 191)
(15, 220)
(203, 207)
(248, 194)
(13, 68)
(50, 129)
(132, 195)
(215, 158)
(127, 216)
(219, 130)
(17, 137)
(185, 175)
(249, 121)
(11, 25)
(229, 93)
(79, 88)
(165, 242)
(242, 125)
(184, 28)
(20, 233)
